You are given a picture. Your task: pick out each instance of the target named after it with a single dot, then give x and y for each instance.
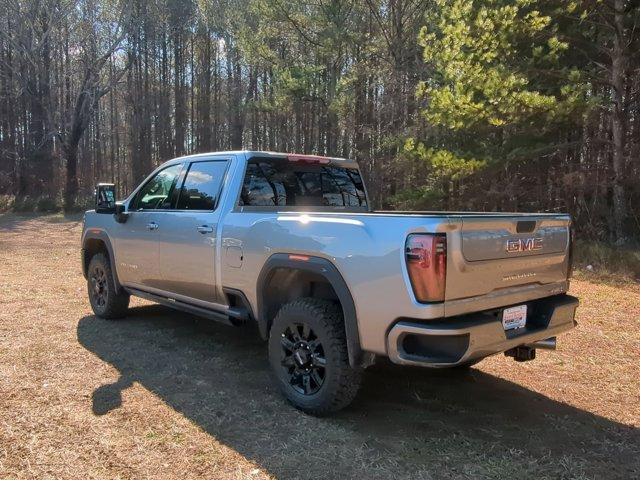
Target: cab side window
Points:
(157, 192)
(202, 185)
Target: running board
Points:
(233, 318)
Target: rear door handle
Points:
(204, 229)
(152, 226)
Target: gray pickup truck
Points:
(290, 242)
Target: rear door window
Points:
(294, 184)
(202, 185)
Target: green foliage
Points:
(442, 170)
(500, 88)
(297, 81)
(488, 57)
(426, 197)
(444, 163)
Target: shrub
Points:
(6, 202)
(29, 204)
(25, 204)
(605, 258)
(48, 205)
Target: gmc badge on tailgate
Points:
(524, 244)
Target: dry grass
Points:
(162, 395)
(599, 261)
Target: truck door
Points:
(136, 240)
(187, 246)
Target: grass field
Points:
(163, 395)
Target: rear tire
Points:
(309, 358)
(105, 301)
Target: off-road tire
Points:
(108, 303)
(341, 381)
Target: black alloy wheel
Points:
(303, 359)
(98, 286)
(106, 301)
(309, 356)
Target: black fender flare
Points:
(96, 234)
(326, 269)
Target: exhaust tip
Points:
(546, 344)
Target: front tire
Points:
(309, 358)
(105, 301)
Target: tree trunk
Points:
(237, 109)
(179, 94)
(618, 68)
(71, 185)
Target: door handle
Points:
(204, 229)
(152, 226)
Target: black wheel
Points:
(309, 359)
(105, 301)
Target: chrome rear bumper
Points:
(458, 340)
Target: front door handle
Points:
(152, 226)
(205, 229)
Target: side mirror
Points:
(120, 213)
(105, 198)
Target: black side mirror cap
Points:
(105, 198)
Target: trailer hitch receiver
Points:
(521, 353)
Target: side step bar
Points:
(234, 316)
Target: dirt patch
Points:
(162, 394)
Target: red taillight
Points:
(426, 256)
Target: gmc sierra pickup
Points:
(290, 242)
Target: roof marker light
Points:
(300, 258)
(295, 157)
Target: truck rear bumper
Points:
(458, 340)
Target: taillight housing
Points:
(426, 257)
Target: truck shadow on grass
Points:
(406, 422)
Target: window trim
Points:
(183, 178)
(132, 206)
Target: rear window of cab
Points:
(283, 183)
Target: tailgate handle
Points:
(525, 226)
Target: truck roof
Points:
(266, 155)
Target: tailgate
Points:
(487, 253)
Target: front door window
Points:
(157, 193)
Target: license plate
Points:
(514, 317)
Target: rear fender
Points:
(323, 268)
